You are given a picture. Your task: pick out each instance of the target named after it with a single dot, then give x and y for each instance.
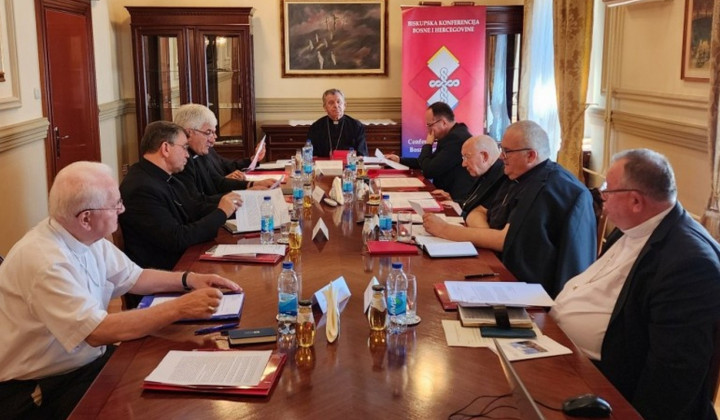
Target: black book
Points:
(252, 335)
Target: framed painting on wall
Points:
(696, 40)
(334, 38)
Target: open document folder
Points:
(484, 293)
(223, 372)
(230, 305)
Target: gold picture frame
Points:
(696, 40)
(334, 38)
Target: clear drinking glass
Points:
(404, 226)
(284, 233)
(411, 317)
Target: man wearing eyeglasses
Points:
(444, 165)
(162, 218)
(541, 219)
(201, 175)
(55, 287)
(646, 310)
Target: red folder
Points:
(390, 247)
(262, 389)
(374, 173)
(442, 295)
(257, 259)
(340, 155)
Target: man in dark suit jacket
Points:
(162, 219)
(444, 165)
(541, 219)
(647, 309)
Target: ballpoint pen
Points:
(208, 330)
(480, 275)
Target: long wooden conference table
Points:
(412, 376)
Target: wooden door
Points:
(68, 75)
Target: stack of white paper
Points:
(482, 293)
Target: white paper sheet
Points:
(211, 368)
(458, 336)
(260, 177)
(259, 149)
(401, 182)
(247, 249)
(479, 293)
(247, 216)
(230, 303)
(523, 348)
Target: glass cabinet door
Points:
(163, 93)
(224, 85)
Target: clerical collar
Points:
(336, 122)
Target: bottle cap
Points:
(386, 196)
(305, 302)
(266, 198)
(378, 287)
(397, 265)
(287, 265)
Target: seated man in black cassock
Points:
(201, 174)
(541, 220)
(481, 159)
(444, 165)
(336, 131)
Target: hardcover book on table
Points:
(252, 336)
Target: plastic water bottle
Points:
(307, 152)
(396, 286)
(385, 218)
(287, 300)
(352, 159)
(267, 221)
(297, 184)
(348, 183)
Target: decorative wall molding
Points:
(16, 135)
(690, 136)
(699, 103)
(115, 109)
(380, 106)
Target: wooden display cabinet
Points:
(196, 54)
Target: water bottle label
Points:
(385, 223)
(397, 303)
(352, 166)
(307, 168)
(267, 224)
(288, 303)
(297, 193)
(347, 186)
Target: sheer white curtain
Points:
(498, 118)
(539, 72)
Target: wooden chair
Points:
(715, 362)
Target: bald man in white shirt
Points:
(55, 287)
